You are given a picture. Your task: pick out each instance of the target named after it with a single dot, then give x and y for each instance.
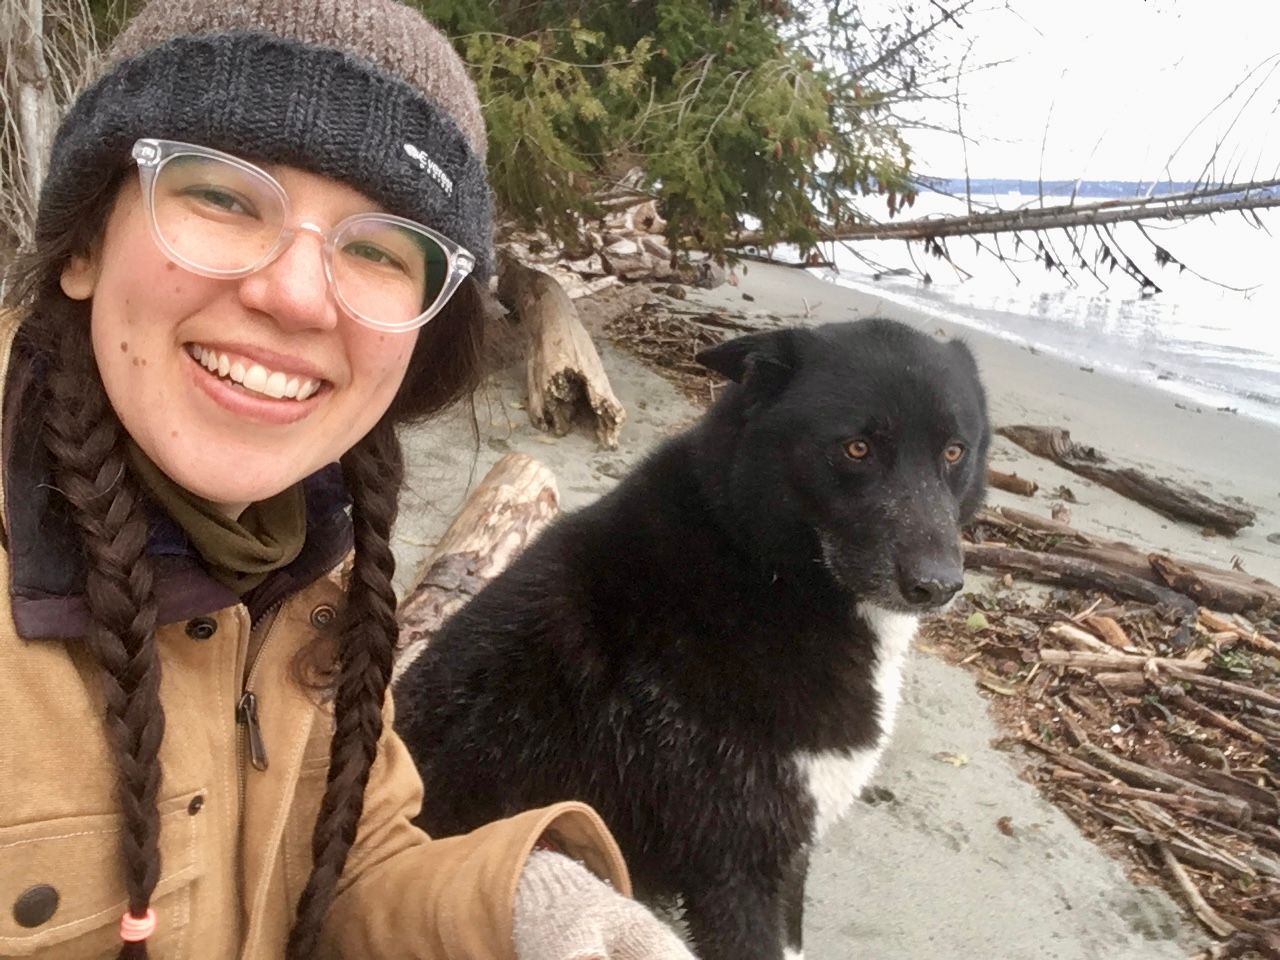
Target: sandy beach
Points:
(925, 871)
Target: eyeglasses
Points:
(219, 216)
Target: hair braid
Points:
(374, 471)
(86, 442)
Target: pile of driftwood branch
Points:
(627, 244)
(668, 337)
(1152, 720)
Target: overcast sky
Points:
(1120, 83)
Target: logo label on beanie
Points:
(433, 169)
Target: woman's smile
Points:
(246, 389)
(252, 376)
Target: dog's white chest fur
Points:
(836, 777)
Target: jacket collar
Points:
(47, 568)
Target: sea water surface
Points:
(1210, 345)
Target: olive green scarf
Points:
(239, 553)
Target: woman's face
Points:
(153, 323)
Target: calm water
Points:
(1214, 347)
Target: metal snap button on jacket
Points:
(35, 905)
(202, 628)
(323, 615)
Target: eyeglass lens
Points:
(218, 216)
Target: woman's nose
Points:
(293, 288)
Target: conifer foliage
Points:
(730, 112)
(769, 115)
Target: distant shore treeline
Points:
(1058, 188)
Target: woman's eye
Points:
(954, 453)
(374, 254)
(222, 200)
(857, 449)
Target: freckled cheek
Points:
(382, 360)
(172, 269)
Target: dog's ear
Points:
(757, 358)
(960, 349)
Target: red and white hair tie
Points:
(136, 929)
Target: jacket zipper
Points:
(247, 713)
(247, 707)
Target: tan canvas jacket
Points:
(235, 839)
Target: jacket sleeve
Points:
(404, 894)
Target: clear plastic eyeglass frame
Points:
(151, 156)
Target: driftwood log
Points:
(1174, 500)
(513, 503)
(1230, 591)
(1111, 661)
(1075, 572)
(1011, 483)
(564, 372)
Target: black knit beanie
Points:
(362, 91)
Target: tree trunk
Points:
(565, 376)
(513, 503)
(1168, 207)
(36, 109)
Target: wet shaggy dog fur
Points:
(710, 654)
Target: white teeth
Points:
(275, 385)
(255, 377)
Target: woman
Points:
(258, 251)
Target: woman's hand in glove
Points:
(565, 912)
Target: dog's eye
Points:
(857, 449)
(954, 453)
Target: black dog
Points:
(710, 654)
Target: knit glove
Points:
(565, 912)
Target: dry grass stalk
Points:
(45, 48)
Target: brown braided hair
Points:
(87, 447)
(54, 369)
(373, 471)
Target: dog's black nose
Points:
(929, 591)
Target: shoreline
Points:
(1182, 387)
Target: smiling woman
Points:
(260, 248)
(225, 437)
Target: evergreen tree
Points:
(732, 114)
